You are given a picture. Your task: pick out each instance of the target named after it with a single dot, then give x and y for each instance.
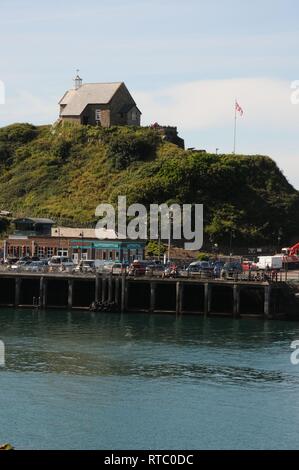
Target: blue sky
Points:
(184, 63)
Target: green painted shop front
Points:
(124, 251)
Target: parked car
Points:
(106, 267)
(155, 270)
(154, 262)
(217, 267)
(200, 267)
(44, 261)
(248, 265)
(19, 265)
(137, 268)
(61, 263)
(119, 268)
(34, 266)
(231, 269)
(26, 258)
(11, 261)
(171, 271)
(86, 266)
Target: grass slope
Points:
(66, 171)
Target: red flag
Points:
(239, 109)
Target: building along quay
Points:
(178, 296)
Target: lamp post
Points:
(159, 235)
(170, 218)
(232, 235)
(4, 250)
(82, 236)
(279, 236)
(58, 232)
(278, 243)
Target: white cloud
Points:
(25, 107)
(203, 111)
(206, 103)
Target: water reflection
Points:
(81, 380)
(157, 346)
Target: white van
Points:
(271, 262)
(86, 266)
(90, 265)
(61, 262)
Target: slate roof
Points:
(75, 101)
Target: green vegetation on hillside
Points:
(65, 171)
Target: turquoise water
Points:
(92, 381)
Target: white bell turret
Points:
(78, 81)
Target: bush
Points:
(62, 149)
(203, 257)
(126, 149)
(18, 133)
(4, 152)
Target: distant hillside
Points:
(65, 172)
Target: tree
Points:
(153, 248)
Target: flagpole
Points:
(235, 127)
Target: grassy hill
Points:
(66, 171)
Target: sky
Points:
(185, 63)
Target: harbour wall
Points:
(145, 294)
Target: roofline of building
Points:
(63, 96)
(96, 83)
(76, 239)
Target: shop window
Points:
(40, 251)
(62, 252)
(50, 252)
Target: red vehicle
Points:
(291, 257)
(249, 266)
(137, 268)
(293, 251)
(171, 271)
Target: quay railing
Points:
(249, 276)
